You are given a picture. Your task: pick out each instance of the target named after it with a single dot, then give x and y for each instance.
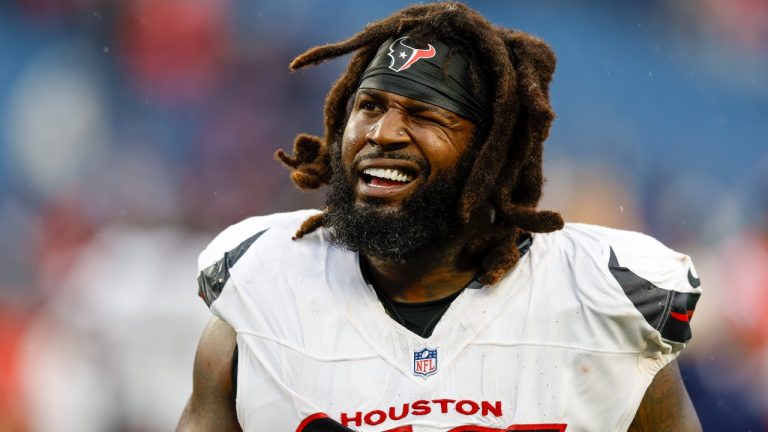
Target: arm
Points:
(666, 405)
(212, 404)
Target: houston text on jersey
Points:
(421, 408)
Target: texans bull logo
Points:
(404, 56)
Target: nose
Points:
(389, 131)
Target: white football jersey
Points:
(569, 340)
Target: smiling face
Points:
(398, 176)
(392, 145)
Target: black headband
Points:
(423, 74)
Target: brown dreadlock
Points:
(516, 69)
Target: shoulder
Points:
(267, 236)
(594, 237)
(631, 278)
(247, 231)
(612, 249)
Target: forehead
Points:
(429, 71)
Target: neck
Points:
(431, 274)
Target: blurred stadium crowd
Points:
(131, 131)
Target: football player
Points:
(430, 293)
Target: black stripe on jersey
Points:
(667, 311)
(212, 279)
(693, 280)
(233, 378)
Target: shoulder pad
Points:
(667, 310)
(213, 278)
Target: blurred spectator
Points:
(173, 48)
(112, 349)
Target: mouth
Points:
(387, 178)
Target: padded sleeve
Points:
(220, 256)
(216, 260)
(661, 284)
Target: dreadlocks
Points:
(512, 67)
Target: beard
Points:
(426, 218)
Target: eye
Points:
(430, 120)
(426, 119)
(368, 106)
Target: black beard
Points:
(428, 217)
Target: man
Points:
(430, 294)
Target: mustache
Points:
(379, 154)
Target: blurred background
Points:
(132, 131)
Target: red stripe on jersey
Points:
(310, 419)
(679, 316)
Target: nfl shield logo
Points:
(425, 362)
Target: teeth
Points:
(389, 174)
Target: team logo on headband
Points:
(404, 56)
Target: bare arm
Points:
(212, 404)
(666, 405)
